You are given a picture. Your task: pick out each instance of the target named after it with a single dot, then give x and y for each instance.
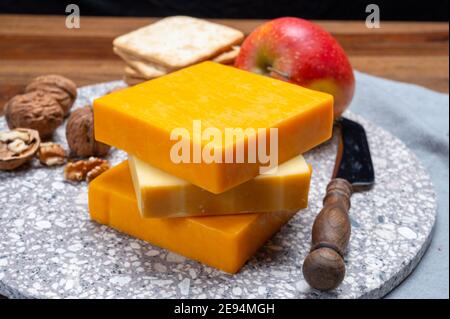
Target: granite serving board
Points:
(49, 248)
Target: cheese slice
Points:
(223, 242)
(162, 195)
(140, 120)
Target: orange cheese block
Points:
(223, 242)
(141, 119)
(162, 195)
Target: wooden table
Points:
(35, 45)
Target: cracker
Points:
(132, 81)
(151, 70)
(147, 69)
(129, 71)
(133, 73)
(228, 57)
(179, 41)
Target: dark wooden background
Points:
(391, 10)
(415, 52)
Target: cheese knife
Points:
(324, 267)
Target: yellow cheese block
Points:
(163, 195)
(223, 242)
(140, 120)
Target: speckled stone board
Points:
(49, 248)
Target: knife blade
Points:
(353, 162)
(324, 267)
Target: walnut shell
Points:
(35, 110)
(80, 134)
(61, 88)
(9, 159)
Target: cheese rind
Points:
(161, 195)
(140, 119)
(223, 242)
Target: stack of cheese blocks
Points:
(218, 213)
(174, 43)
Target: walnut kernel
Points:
(51, 154)
(96, 171)
(85, 169)
(17, 146)
(10, 136)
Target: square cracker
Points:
(151, 70)
(132, 81)
(178, 41)
(146, 69)
(129, 71)
(227, 57)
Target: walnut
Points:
(80, 134)
(35, 110)
(96, 171)
(63, 90)
(17, 147)
(51, 154)
(85, 169)
(12, 135)
(75, 171)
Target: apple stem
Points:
(283, 74)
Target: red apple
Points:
(300, 52)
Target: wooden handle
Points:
(324, 267)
